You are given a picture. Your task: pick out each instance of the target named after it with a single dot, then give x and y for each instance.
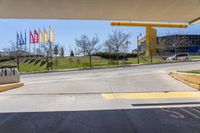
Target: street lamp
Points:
(138, 50)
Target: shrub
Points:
(106, 55)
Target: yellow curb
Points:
(10, 86)
(153, 95)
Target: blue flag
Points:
(21, 39)
(18, 40)
(25, 38)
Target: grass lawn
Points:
(193, 71)
(39, 64)
(195, 57)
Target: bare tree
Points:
(172, 42)
(87, 45)
(163, 46)
(108, 49)
(180, 41)
(77, 53)
(117, 40)
(124, 50)
(152, 47)
(16, 52)
(47, 52)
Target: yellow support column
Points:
(151, 34)
(151, 41)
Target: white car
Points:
(179, 57)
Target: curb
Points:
(104, 67)
(192, 80)
(10, 86)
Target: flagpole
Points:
(50, 46)
(39, 41)
(29, 43)
(25, 42)
(17, 57)
(34, 42)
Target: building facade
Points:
(179, 44)
(171, 44)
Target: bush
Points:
(106, 55)
(8, 66)
(6, 58)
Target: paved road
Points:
(133, 79)
(74, 102)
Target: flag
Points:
(36, 37)
(45, 36)
(52, 35)
(22, 42)
(25, 38)
(40, 37)
(32, 39)
(18, 39)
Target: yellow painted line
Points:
(10, 86)
(154, 95)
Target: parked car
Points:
(179, 57)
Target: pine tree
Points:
(55, 50)
(72, 53)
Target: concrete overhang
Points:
(178, 11)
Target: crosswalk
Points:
(183, 113)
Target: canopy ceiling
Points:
(123, 10)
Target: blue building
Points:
(180, 43)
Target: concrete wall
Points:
(9, 75)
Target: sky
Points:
(66, 31)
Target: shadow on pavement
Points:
(159, 120)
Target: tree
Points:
(77, 53)
(117, 40)
(16, 52)
(163, 45)
(172, 43)
(87, 45)
(72, 53)
(62, 52)
(108, 49)
(152, 47)
(55, 52)
(124, 50)
(179, 41)
(47, 53)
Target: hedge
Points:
(113, 55)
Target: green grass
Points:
(195, 57)
(193, 71)
(36, 65)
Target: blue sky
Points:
(67, 30)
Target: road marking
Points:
(174, 114)
(195, 110)
(154, 95)
(186, 111)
